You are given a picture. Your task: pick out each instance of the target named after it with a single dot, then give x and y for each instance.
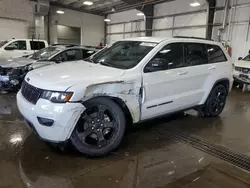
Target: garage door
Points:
(13, 29)
(68, 35)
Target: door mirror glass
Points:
(156, 64)
(58, 59)
(240, 58)
(9, 48)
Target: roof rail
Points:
(186, 37)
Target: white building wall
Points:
(127, 27)
(166, 18)
(92, 26)
(15, 18)
(238, 36)
(169, 19)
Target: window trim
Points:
(186, 51)
(59, 53)
(174, 42)
(26, 46)
(221, 51)
(37, 42)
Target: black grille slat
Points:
(31, 93)
(243, 70)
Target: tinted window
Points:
(35, 45)
(123, 54)
(169, 57)
(71, 55)
(247, 58)
(196, 54)
(87, 53)
(18, 45)
(215, 54)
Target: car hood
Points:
(245, 64)
(60, 77)
(16, 62)
(20, 62)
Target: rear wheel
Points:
(100, 128)
(216, 101)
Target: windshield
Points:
(123, 54)
(45, 53)
(247, 58)
(3, 43)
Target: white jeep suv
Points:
(89, 102)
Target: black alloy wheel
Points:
(216, 101)
(100, 128)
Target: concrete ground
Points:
(146, 158)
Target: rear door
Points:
(219, 67)
(199, 70)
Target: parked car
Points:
(89, 102)
(20, 47)
(13, 71)
(241, 72)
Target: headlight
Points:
(57, 97)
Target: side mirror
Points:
(240, 58)
(58, 59)
(9, 48)
(156, 64)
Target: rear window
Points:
(215, 54)
(36, 45)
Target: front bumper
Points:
(65, 117)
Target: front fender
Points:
(127, 91)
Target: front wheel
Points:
(216, 101)
(100, 128)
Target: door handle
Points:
(182, 73)
(212, 68)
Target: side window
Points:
(17, 45)
(36, 45)
(215, 54)
(87, 53)
(196, 54)
(70, 55)
(169, 57)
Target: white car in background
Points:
(241, 72)
(13, 71)
(90, 102)
(20, 47)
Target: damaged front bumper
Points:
(11, 78)
(53, 122)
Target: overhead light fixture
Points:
(60, 12)
(88, 3)
(107, 20)
(140, 14)
(113, 10)
(195, 4)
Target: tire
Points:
(216, 101)
(102, 119)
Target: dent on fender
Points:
(128, 91)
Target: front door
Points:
(169, 81)
(15, 49)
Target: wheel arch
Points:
(124, 93)
(224, 81)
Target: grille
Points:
(31, 93)
(243, 70)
